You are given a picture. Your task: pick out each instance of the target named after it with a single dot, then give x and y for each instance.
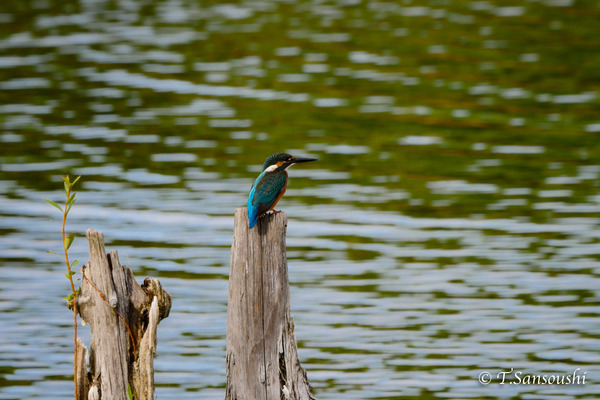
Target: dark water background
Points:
(450, 226)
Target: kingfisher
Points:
(270, 185)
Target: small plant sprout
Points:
(67, 242)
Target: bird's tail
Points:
(252, 216)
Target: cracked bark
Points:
(114, 365)
(262, 355)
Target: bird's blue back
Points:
(264, 193)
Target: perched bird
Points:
(270, 185)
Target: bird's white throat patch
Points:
(273, 167)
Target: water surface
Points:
(450, 226)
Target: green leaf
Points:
(75, 181)
(71, 198)
(67, 275)
(71, 205)
(130, 393)
(56, 254)
(74, 263)
(69, 241)
(53, 204)
(67, 179)
(66, 187)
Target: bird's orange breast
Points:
(280, 193)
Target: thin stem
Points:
(64, 222)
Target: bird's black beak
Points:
(297, 160)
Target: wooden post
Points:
(109, 295)
(262, 355)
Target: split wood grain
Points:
(262, 355)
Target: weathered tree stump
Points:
(121, 358)
(262, 355)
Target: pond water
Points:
(450, 226)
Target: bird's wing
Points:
(267, 190)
